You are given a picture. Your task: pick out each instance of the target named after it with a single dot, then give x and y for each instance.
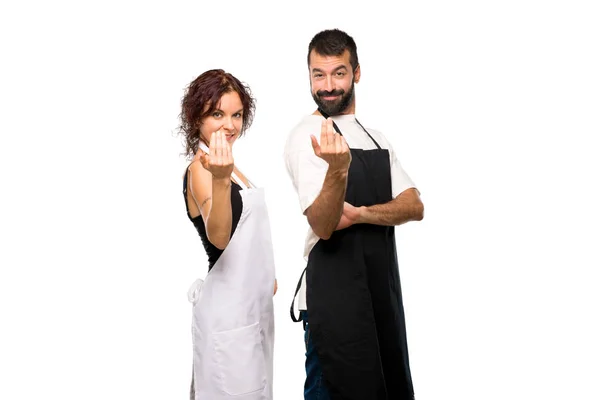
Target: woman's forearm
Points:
(219, 219)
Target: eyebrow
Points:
(334, 70)
(241, 110)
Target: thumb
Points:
(347, 208)
(315, 145)
(204, 159)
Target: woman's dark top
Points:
(236, 212)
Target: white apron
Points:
(233, 321)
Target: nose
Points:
(228, 124)
(329, 84)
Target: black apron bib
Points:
(353, 295)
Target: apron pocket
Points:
(240, 360)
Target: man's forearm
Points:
(404, 208)
(324, 213)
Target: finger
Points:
(315, 145)
(213, 145)
(217, 142)
(225, 148)
(330, 132)
(339, 147)
(228, 145)
(344, 144)
(220, 147)
(224, 145)
(324, 133)
(228, 153)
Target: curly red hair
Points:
(201, 99)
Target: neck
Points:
(348, 111)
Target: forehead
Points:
(229, 100)
(319, 61)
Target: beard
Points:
(337, 106)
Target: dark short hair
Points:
(207, 89)
(333, 42)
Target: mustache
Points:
(322, 93)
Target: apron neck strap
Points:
(237, 179)
(325, 115)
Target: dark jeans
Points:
(314, 386)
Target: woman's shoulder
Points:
(196, 168)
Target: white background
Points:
(493, 109)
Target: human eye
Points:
(217, 114)
(237, 115)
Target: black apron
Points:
(353, 295)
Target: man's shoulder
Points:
(308, 125)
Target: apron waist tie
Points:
(292, 313)
(194, 290)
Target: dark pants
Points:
(314, 386)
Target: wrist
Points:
(221, 182)
(363, 212)
(341, 173)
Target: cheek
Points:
(203, 133)
(238, 125)
(207, 128)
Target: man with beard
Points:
(353, 192)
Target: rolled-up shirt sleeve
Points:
(400, 179)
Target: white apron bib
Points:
(233, 321)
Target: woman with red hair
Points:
(233, 324)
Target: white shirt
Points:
(307, 171)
